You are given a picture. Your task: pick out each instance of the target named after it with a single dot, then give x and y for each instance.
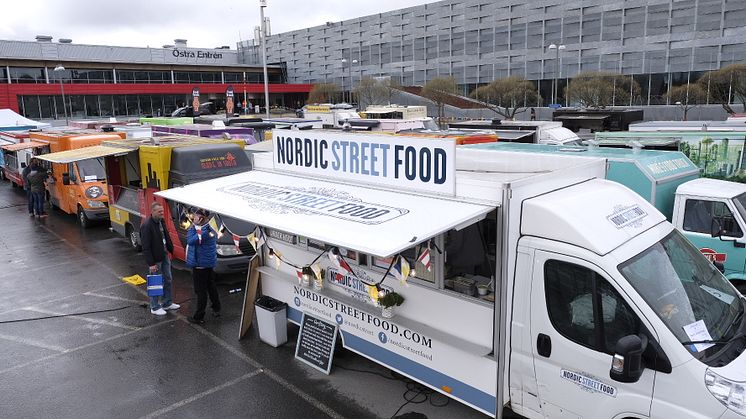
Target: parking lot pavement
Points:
(77, 342)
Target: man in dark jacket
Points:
(27, 188)
(156, 247)
(201, 257)
(36, 179)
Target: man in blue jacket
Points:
(201, 257)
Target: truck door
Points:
(577, 316)
(699, 215)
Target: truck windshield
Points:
(740, 201)
(688, 293)
(91, 170)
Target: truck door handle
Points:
(544, 345)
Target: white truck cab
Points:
(590, 303)
(712, 214)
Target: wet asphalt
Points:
(78, 342)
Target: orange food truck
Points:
(77, 182)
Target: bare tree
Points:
(370, 92)
(439, 90)
(324, 92)
(687, 97)
(726, 85)
(597, 89)
(507, 96)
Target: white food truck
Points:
(550, 290)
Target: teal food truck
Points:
(710, 213)
(719, 153)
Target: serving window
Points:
(462, 261)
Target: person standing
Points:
(27, 188)
(533, 114)
(156, 247)
(201, 257)
(36, 178)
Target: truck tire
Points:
(132, 237)
(83, 219)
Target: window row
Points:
(36, 75)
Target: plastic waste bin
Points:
(271, 318)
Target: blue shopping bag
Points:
(155, 285)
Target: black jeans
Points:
(204, 286)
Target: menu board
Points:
(315, 344)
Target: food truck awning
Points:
(378, 222)
(84, 153)
(23, 146)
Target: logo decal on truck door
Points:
(714, 256)
(587, 383)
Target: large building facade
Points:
(659, 43)
(100, 81)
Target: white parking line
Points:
(32, 342)
(85, 319)
(88, 345)
(198, 396)
(279, 380)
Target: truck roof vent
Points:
(180, 42)
(65, 41)
(43, 38)
(168, 46)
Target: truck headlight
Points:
(95, 204)
(730, 393)
(228, 250)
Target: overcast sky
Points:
(204, 23)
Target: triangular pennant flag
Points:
(278, 259)
(256, 238)
(260, 239)
(236, 240)
(316, 268)
(401, 270)
(299, 272)
(373, 293)
(337, 261)
(424, 259)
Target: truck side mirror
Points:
(66, 178)
(627, 366)
(717, 230)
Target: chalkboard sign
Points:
(316, 341)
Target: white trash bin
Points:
(271, 318)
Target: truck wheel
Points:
(132, 237)
(83, 219)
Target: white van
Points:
(547, 289)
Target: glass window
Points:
(702, 216)
(31, 107)
(684, 288)
(585, 308)
(27, 75)
(106, 105)
(91, 170)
